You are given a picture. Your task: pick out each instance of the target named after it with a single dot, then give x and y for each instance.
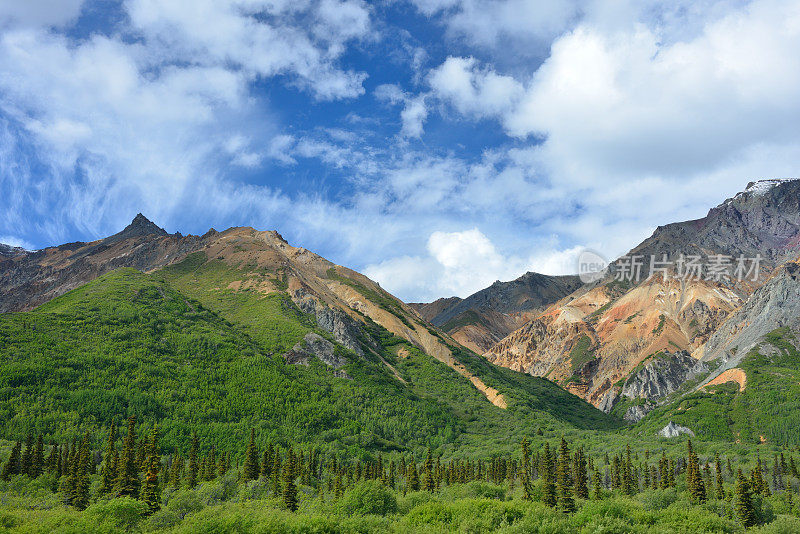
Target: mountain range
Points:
(238, 329)
(268, 333)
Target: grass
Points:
(581, 353)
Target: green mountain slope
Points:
(766, 410)
(180, 349)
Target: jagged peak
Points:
(759, 188)
(140, 226)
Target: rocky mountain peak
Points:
(139, 226)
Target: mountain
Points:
(31, 278)
(239, 328)
(593, 340)
(484, 318)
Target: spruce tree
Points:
(564, 480)
(193, 462)
(151, 495)
(251, 468)
(289, 489)
(694, 480)
(581, 476)
(548, 478)
(266, 462)
(175, 472)
(597, 487)
(128, 469)
(12, 466)
(37, 459)
(413, 477)
(80, 487)
(27, 456)
(718, 469)
(527, 493)
(430, 484)
(743, 501)
(109, 474)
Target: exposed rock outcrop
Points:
(31, 278)
(634, 414)
(315, 346)
(671, 430)
(343, 327)
(773, 305)
(662, 375)
(627, 321)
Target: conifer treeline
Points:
(138, 470)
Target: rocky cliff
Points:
(484, 318)
(591, 340)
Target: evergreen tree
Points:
(743, 501)
(251, 467)
(13, 465)
(413, 477)
(694, 480)
(194, 466)
(109, 474)
(597, 487)
(37, 459)
(548, 478)
(718, 469)
(629, 485)
(128, 469)
(430, 484)
(80, 487)
(581, 476)
(175, 472)
(266, 462)
(526, 466)
(27, 456)
(151, 494)
(757, 483)
(289, 489)
(564, 480)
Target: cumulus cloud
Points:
(472, 90)
(463, 262)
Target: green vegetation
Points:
(178, 349)
(767, 410)
(162, 403)
(580, 353)
(539, 489)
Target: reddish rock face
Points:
(591, 340)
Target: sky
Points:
(434, 145)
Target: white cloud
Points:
(15, 241)
(414, 112)
(461, 263)
(488, 23)
(474, 91)
(303, 39)
(33, 13)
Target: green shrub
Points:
(784, 524)
(368, 497)
(123, 513)
(184, 502)
(658, 499)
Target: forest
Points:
(555, 486)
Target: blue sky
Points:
(436, 145)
